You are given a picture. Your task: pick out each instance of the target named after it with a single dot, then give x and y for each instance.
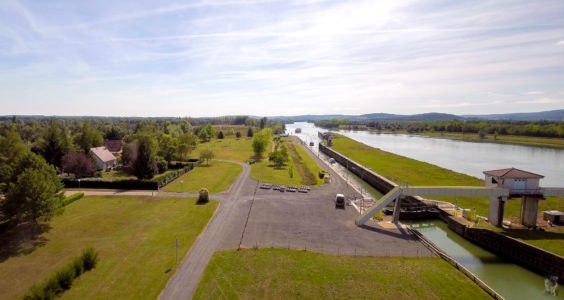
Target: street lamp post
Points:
(79, 184)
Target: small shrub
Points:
(62, 280)
(65, 277)
(321, 174)
(52, 288)
(237, 134)
(89, 259)
(36, 292)
(78, 266)
(70, 199)
(204, 196)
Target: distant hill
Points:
(551, 115)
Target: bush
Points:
(220, 135)
(128, 184)
(237, 134)
(65, 277)
(62, 280)
(204, 196)
(78, 266)
(89, 259)
(321, 174)
(162, 165)
(70, 199)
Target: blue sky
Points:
(213, 58)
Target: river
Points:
(471, 158)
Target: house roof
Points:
(113, 145)
(103, 154)
(513, 173)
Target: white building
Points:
(105, 160)
(518, 182)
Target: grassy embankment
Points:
(398, 168)
(256, 274)
(216, 177)
(305, 170)
(133, 235)
(489, 138)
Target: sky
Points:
(267, 58)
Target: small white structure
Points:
(105, 160)
(518, 182)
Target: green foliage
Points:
(145, 164)
(205, 132)
(220, 135)
(263, 123)
(88, 137)
(207, 154)
(238, 134)
(168, 147)
(54, 144)
(70, 199)
(162, 164)
(250, 132)
(62, 280)
(279, 157)
(33, 190)
(261, 142)
(89, 259)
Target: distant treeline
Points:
(524, 128)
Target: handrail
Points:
(439, 252)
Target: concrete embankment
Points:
(536, 259)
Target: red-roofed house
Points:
(105, 160)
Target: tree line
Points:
(522, 128)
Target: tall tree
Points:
(250, 132)
(167, 147)
(263, 123)
(207, 154)
(34, 190)
(145, 164)
(89, 137)
(55, 144)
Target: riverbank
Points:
(557, 143)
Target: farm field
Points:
(134, 236)
(256, 274)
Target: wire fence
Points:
(414, 249)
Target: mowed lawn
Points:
(291, 274)
(216, 177)
(229, 148)
(134, 236)
(305, 170)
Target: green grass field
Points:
(133, 235)
(216, 177)
(291, 274)
(117, 175)
(503, 139)
(304, 169)
(228, 148)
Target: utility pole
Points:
(176, 246)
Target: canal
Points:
(507, 278)
(510, 280)
(470, 158)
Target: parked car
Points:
(340, 201)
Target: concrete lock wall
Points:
(536, 259)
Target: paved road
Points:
(226, 225)
(249, 217)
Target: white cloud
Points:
(544, 100)
(560, 43)
(534, 93)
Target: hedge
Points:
(128, 184)
(62, 280)
(70, 199)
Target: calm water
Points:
(508, 279)
(470, 158)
